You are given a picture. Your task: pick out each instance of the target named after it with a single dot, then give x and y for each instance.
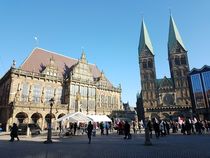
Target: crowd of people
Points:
(194, 126)
(157, 127)
(187, 126)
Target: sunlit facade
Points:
(75, 85)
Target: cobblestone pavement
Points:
(112, 146)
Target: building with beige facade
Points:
(75, 85)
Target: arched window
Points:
(144, 64)
(150, 64)
(177, 60)
(25, 92)
(36, 93)
(183, 60)
(178, 50)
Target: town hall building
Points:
(74, 84)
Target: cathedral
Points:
(74, 84)
(164, 98)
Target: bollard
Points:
(28, 132)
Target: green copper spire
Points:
(174, 35)
(144, 39)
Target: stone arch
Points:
(58, 124)
(47, 120)
(188, 114)
(37, 118)
(155, 115)
(166, 116)
(176, 115)
(47, 117)
(22, 117)
(60, 115)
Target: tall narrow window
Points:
(49, 93)
(206, 81)
(36, 93)
(197, 90)
(183, 60)
(150, 64)
(25, 92)
(59, 95)
(177, 61)
(144, 64)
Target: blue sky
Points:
(108, 30)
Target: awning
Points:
(75, 117)
(100, 118)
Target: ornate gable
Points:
(103, 81)
(165, 83)
(51, 69)
(81, 70)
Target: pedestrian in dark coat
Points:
(149, 126)
(89, 131)
(75, 128)
(14, 132)
(126, 130)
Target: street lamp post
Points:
(49, 131)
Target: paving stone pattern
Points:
(112, 146)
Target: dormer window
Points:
(51, 69)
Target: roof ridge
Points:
(27, 57)
(60, 54)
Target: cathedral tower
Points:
(179, 67)
(147, 69)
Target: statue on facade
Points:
(30, 94)
(42, 96)
(13, 64)
(78, 106)
(17, 94)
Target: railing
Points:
(39, 105)
(35, 74)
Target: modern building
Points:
(75, 85)
(164, 97)
(199, 80)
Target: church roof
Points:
(164, 82)
(174, 35)
(145, 39)
(40, 58)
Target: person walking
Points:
(89, 131)
(75, 127)
(126, 130)
(134, 127)
(14, 132)
(149, 126)
(102, 128)
(107, 128)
